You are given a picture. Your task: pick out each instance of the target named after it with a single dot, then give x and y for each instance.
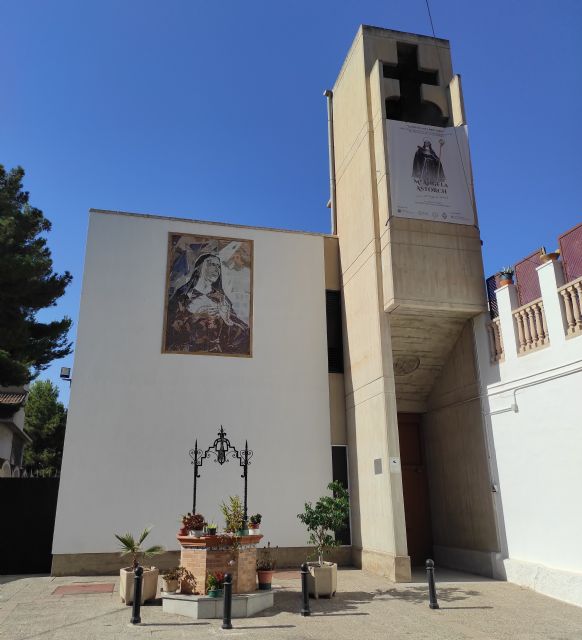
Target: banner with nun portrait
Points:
(208, 305)
(430, 173)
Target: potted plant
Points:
(255, 524)
(193, 523)
(233, 515)
(506, 276)
(323, 520)
(171, 579)
(133, 547)
(214, 582)
(211, 529)
(266, 563)
(187, 581)
(549, 257)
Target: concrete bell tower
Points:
(410, 285)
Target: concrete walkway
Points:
(366, 607)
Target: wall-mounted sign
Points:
(430, 173)
(208, 295)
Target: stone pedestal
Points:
(236, 555)
(201, 607)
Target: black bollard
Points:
(135, 617)
(305, 610)
(433, 604)
(227, 612)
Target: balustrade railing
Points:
(495, 340)
(532, 329)
(572, 297)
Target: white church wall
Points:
(134, 412)
(531, 406)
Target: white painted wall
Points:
(134, 412)
(5, 442)
(536, 448)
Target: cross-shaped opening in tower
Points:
(409, 107)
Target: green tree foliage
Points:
(27, 284)
(327, 517)
(44, 421)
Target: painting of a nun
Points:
(208, 296)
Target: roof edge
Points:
(156, 216)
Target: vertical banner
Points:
(430, 173)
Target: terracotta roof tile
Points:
(12, 398)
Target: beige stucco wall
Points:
(378, 532)
(462, 509)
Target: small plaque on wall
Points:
(378, 466)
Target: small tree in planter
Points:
(323, 520)
(133, 547)
(233, 513)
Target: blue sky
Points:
(215, 111)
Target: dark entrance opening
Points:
(29, 506)
(415, 488)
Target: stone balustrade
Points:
(571, 294)
(495, 340)
(532, 329)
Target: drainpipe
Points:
(328, 93)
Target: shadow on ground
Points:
(418, 595)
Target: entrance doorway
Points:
(415, 488)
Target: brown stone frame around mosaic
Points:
(166, 285)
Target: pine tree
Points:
(27, 284)
(44, 421)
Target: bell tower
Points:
(410, 254)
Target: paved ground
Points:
(366, 607)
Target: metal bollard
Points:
(227, 612)
(305, 610)
(433, 604)
(135, 617)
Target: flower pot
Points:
(170, 586)
(198, 533)
(211, 531)
(505, 281)
(322, 580)
(549, 257)
(149, 585)
(254, 531)
(265, 579)
(186, 587)
(214, 593)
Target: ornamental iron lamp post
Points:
(222, 450)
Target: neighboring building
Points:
(530, 364)
(12, 436)
(342, 355)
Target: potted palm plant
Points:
(132, 546)
(323, 520)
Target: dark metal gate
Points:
(28, 507)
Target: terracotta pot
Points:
(265, 579)
(549, 257)
(504, 281)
